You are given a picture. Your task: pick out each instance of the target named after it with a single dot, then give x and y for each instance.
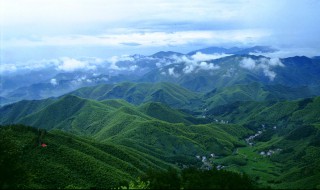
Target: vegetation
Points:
(193, 178)
(129, 134)
(66, 161)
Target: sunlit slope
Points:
(137, 93)
(123, 123)
(72, 161)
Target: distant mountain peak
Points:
(235, 50)
(161, 54)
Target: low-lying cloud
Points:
(54, 82)
(205, 57)
(171, 72)
(69, 64)
(115, 59)
(194, 65)
(263, 64)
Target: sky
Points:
(46, 29)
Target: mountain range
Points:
(211, 109)
(201, 70)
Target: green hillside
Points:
(23, 108)
(123, 123)
(283, 113)
(37, 159)
(121, 140)
(255, 92)
(165, 113)
(68, 161)
(293, 72)
(137, 93)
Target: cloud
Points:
(70, 64)
(159, 23)
(290, 52)
(27, 66)
(270, 74)
(188, 69)
(193, 65)
(248, 63)
(264, 64)
(147, 39)
(54, 82)
(130, 44)
(121, 13)
(132, 68)
(207, 66)
(115, 59)
(171, 72)
(205, 57)
(273, 62)
(65, 64)
(8, 68)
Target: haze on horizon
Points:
(44, 29)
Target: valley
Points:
(239, 115)
(160, 94)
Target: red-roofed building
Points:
(43, 145)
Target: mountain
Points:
(196, 72)
(234, 50)
(4, 100)
(283, 113)
(55, 159)
(238, 69)
(255, 92)
(139, 119)
(164, 54)
(60, 84)
(123, 123)
(216, 50)
(137, 93)
(69, 161)
(289, 130)
(285, 145)
(165, 113)
(23, 108)
(256, 49)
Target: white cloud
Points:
(156, 23)
(133, 67)
(273, 62)
(248, 63)
(290, 52)
(85, 12)
(115, 59)
(270, 74)
(192, 65)
(7, 68)
(207, 66)
(264, 64)
(54, 82)
(205, 57)
(188, 69)
(31, 65)
(148, 39)
(70, 64)
(171, 72)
